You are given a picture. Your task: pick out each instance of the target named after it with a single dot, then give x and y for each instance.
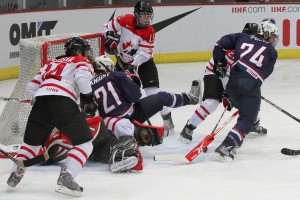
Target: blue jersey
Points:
(115, 93)
(251, 54)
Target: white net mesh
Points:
(15, 114)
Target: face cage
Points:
(146, 14)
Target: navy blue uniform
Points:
(115, 94)
(254, 61)
(252, 55)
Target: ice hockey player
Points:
(54, 91)
(117, 141)
(255, 57)
(132, 38)
(116, 148)
(118, 96)
(214, 94)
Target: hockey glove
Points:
(220, 68)
(135, 78)
(226, 101)
(131, 68)
(87, 104)
(111, 42)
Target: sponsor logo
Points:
(30, 30)
(250, 9)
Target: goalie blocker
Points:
(121, 153)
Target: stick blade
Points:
(172, 158)
(290, 152)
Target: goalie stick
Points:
(290, 152)
(15, 99)
(27, 163)
(201, 146)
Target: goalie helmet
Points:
(250, 28)
(269, 32)
(143, 12)
(75, 44)
(103, 63)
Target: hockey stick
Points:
(27, 163)
(290, 152)
(277, 107)
(15, 99)
(201, 146)
(119, 61)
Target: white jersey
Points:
(119, 126)
(65, 76)
(136, 45)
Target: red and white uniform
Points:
(208, 106)
(136, 45)
(63, 77)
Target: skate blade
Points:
(184, 140)
(217, 157)
(64, 190)
(124, 165)
(9, 188)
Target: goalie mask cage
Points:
(34, 52)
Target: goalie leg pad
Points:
(124, 155)
(124, 165)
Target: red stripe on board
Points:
(298, 32)
(286, 32)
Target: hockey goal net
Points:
(34, 52)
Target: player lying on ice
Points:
(118, 98)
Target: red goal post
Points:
(34, 52)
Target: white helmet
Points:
(266, 29)
(104, 63)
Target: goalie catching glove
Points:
(111, 42)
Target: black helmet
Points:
(142, 7)
(250, 28)
(74, 44)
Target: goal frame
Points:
(36, 52)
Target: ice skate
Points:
(236, 149)
(222, 153)
(67, 185)
(195, 92)
(168, 125)
(15, 177)
(186, 134)
(259, 129)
